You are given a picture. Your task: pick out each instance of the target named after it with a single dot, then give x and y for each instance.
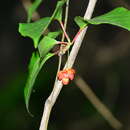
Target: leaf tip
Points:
(27, 103)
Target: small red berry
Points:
(65, 81)
(60, 75)
(71, 76)
(66, 75)
(71, 73)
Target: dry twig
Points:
(100, 107)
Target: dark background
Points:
(103, 62)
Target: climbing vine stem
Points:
(58, 85)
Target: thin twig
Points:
(66, 18)
(65, 25)
(58, 86)
(64, 31)
(49, 104)
(76, 36)
(52, 98)
(100, 107)
(78, 41)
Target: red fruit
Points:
(71, 76)
(62, 74)
(71, 73)
(66, 75)
(65, 81)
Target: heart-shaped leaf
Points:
(45, 45)
(36, 29)
(119, 17)
(33, 8)
(35, 66)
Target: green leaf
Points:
(54, 34)
(119, 17)
(34, 30)
(35, 66)
(45, 45)
(58, 10)
(57, 14)
(80, 22)
(33, 8)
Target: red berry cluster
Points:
(66, 75)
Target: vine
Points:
(45, 42)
